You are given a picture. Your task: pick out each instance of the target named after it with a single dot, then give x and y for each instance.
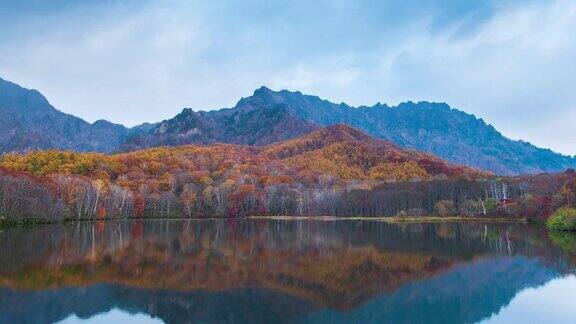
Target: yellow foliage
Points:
(50, 162)
(395, 171)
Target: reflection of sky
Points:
(113, 316)
(508, 61)
(550, 303)
(553, 302)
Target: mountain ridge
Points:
(269, 116)
(435, 128)
(30, 122)
(432, 127)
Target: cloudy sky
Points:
(511, 62)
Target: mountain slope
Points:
(336, 150)
(351, 154)
(268, 116)
(28, 121)
(432, 127)
(259, 125)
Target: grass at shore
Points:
(396, 219)
(28, 222)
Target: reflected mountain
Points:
(272, 271)
(465, 295)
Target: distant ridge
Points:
(30, 122)
(431, 127)
(269, 116)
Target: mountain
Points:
(431, 127)
(260, 125)
(28, 122)
(269, 116)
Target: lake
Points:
(302, 271)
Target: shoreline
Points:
(385, 219)
(395, 219)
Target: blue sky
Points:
(512, 63)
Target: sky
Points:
(510, 62)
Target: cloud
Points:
(510, 62)
(516, 71)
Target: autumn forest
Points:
(337, 171)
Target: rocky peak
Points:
(13, 96)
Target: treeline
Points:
(336, 171)
(24, 197)
(533, 197)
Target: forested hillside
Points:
(300, 176)
(333, 171)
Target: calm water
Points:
(286, 271)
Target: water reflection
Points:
(274, 271)
(550, 303)
(113, 316)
